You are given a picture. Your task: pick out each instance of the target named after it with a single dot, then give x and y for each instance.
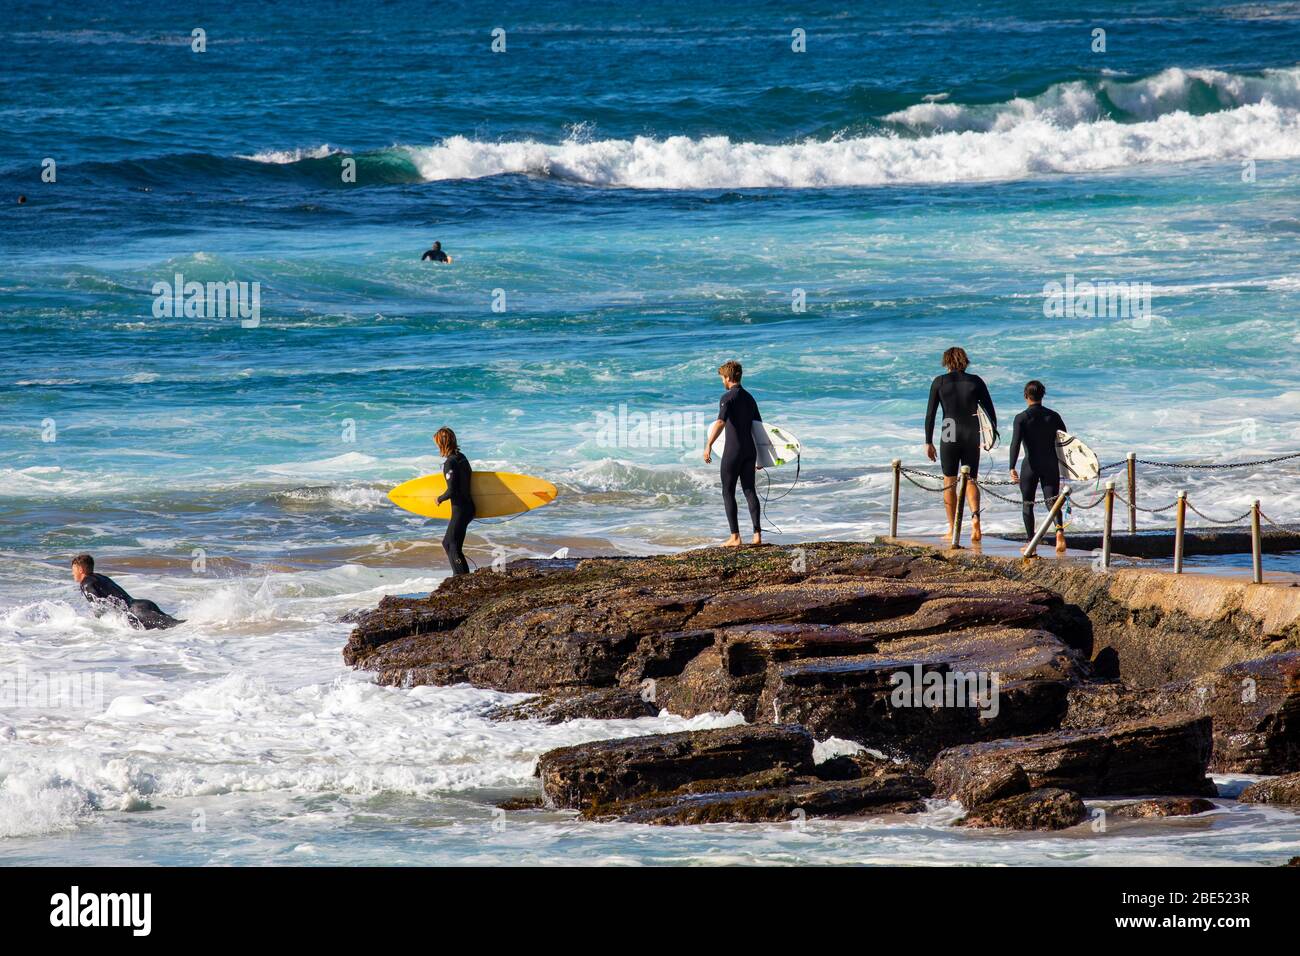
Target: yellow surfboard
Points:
(496, 493)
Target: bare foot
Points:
(757, 539)
(947, 535)
(732, 542)
(1060, 542)
(975, 532)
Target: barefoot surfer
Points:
(105, 594)
(1036, 429)
(960, 394)
(737, 412)
(455, 468)
(435, 254)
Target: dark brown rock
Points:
(521, 803)
(888, 794)
(855, 697)
(1047, 808)
(1280, 790)
(990, 782)
(1163, 807)
(610, 771)
(1255, 706)
(612, 703)
(1164, 755)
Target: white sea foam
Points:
(1064, 130)
(282, 157)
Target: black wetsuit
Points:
(739, 458)
(959, 442)
(455, 468)
(105, 594)
(1036, 429)
(437, 255)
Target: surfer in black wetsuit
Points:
(960, 394)
(105, 594)
(1036, 429)
(456, 469)
(737, 412)
(436, 254)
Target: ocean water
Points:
(632, 195)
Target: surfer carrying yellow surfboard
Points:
(961, 395)
(1036, 429)
(737, 412)
(457, 472)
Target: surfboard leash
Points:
(767, 490)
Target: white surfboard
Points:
(988, 436)
(1078, 461)
(775, 445)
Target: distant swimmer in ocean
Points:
(456, 469)
(1036, 429)
(435, 254)
(737, 412)
(960, 394)
(105, 594)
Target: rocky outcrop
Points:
(821, 635)
(1019, 703)
(1164, 627)
(1162, 807)
(1282, 790)
(1047, 808)
(1255, 707)
(615, 771)
(1163, 755)
(739, 774)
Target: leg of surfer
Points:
(1052, 488)
(730, 475)
(950, 462)
(747, 474)
(1028, 487)
(971, 457)
(453, 542)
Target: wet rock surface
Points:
(1162, 807)
(1046, 808)
(982, 673)
(1163, 755)
(1281, 790)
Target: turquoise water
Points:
(650, 190)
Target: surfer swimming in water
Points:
(961, 395)
(105, 594)
(455, 468)
(737, 412)
(435, 254)
(1036, 429)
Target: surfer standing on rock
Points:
(961, 395)
(456, 469)
(1036, 429)
(737, 412)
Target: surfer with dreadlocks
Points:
(961, 395)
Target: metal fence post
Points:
(893, 508)
(1179, 525)
(962, 479)
(1256, 545)
(1032, 547)
(1132, 493)
(1110, 522)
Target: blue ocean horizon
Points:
(632, 195)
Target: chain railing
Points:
(1065, 502)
